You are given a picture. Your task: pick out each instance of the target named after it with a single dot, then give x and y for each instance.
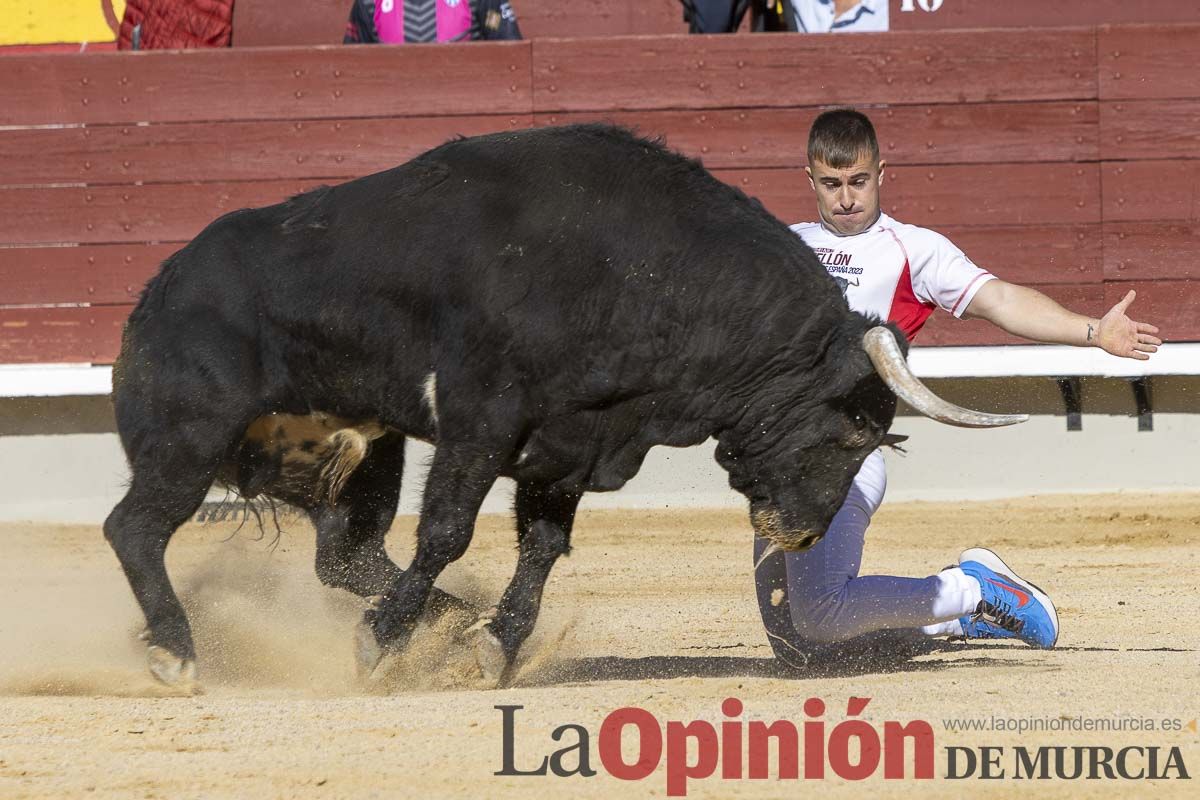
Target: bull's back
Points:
(580, 261)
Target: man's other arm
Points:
(1030, 314)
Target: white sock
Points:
(951, 627)
(958, 594)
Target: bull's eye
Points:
(858, 433)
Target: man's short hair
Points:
(841, 137)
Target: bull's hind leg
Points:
(351, 534)
(171, 477)
(544, 519)
(459, 478)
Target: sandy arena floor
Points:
(653, 610)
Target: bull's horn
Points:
(884, 352)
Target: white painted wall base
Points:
(79, 477)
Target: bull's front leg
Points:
(459, 479)
(544, 520)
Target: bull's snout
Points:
(769, 523)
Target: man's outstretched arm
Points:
(1030, 314)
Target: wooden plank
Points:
(1150, 251)
(954, 14)
(102, 274)
(575, 18)
(1174, 306)
(652, 17)
(1151, 190)
(939, 197)
(97, 274)
(943, 329)
(113, 214)
(541, 19)
(273, 83)
(788, 70)
(784, 192)
(963, 134)
(327, 149)
(225, 151)
(61, 335)
(72, 48)
(1143, 62)
(1138, 129)
(932, 196)
(949, 195)
(258, 23)
(1034, 254)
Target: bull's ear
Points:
(893, 439)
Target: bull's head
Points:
(797, 466)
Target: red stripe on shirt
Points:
(974, 281)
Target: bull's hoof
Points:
(367, 652)
(170, 669)
(489, 654)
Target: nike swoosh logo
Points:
(1021, 596)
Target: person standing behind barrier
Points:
(426, 21)
(175, 24)
(798, 16)
(840, 16)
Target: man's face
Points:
(847, 197)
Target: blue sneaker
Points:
(1011, 608)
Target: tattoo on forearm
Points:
(1091, 331)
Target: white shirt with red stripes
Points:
(897, 272)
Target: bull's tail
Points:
(346, 450)
(305, 461)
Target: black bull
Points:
(545, 305)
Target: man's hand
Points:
(1121, 336)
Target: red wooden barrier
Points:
(310, 83)
(932, 196)
(1035, 254)
(920, 134)
(1151, 250)
(1057, 180)
(1137, 129)
(100, 274)
(343, 148)
(789, 70)
(1143, 62)
(257, 23)
(168, 212)
(950, 195)
(230, 151)
(1151, 190)
(70, 335)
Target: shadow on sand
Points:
(817, 663)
